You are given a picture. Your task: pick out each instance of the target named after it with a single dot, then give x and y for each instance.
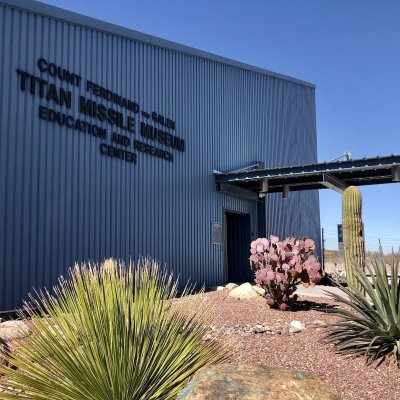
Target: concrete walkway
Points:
(318, 291)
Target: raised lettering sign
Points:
(102, 116)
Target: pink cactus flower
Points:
(309, 242)
(254, 258)
(283, 306)
(274, 258)
(285, 267)
(271, 275)
(281, 245)
(274, 239)
(291, 240)
(288, 255)
(279, 266)
(261, 277)
(293, 261)
(298, 268)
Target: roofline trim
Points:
(86, 21)
(376, 163)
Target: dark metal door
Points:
(237, 247)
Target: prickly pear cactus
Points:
(353, 233)
(280, 266)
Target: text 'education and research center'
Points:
(111, 141)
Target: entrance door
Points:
(237, 247)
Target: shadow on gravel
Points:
(307, 305)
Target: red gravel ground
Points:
(304, 351)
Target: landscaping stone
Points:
(259, 329)
(217, 288)
(319, 322)
(245, 330)
(255, 382)
(243, 292)
(231, 286)
(259, 290)
(11, 330)
(296, 326)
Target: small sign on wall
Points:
(340, 233)
(340, 243)
(216, 233)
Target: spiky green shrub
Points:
(110, 332)
(371, 327)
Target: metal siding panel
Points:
(64, 202)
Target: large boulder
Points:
(231, 286)
(243, 292)
(259, 290)
(11, 330)
(255, 382)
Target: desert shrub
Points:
(109, 332)
(370, 325)
(280, 266)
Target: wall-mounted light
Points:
(264, 185)
(396, 173)
(285, 192)
(263, 188)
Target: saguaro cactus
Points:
(353, 233)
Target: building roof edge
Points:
(83, 20)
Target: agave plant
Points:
(371, 327)
(109, 332)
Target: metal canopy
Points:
(336, 175)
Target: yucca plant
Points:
(110, 332)
(371, 327)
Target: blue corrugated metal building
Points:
(108, 143)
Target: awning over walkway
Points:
(336, 175)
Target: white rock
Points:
(243, 292)
(296, 326)
(218, 288)
(259, 290)
(343, 273)
(319, 322)
(11, 330)
(231, 286)
(207, 337)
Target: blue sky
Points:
(349, 49)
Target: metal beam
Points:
(257, 166)
(396, 173)
(238, 192)
(264, 186)
(361, 165)
(285, 192)
(331, 182)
